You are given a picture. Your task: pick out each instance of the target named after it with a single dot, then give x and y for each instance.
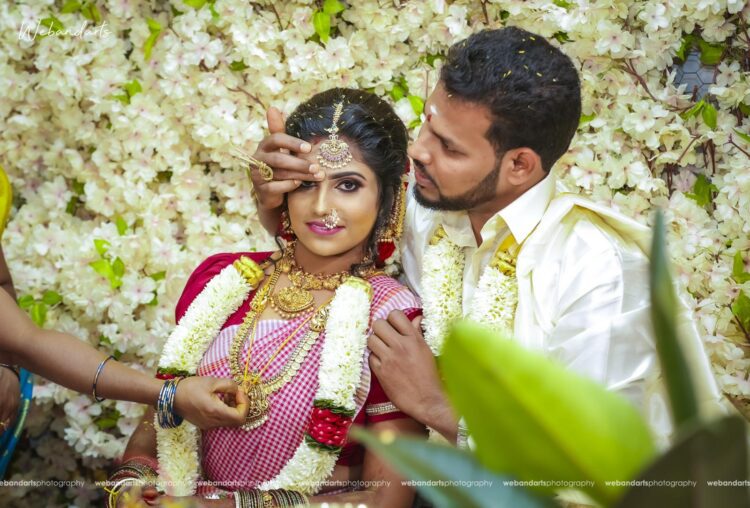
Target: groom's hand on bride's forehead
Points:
(279, 151)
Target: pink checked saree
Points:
(238, 459)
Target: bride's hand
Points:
(197, 400)
(288, 170)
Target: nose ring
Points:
(331, 220)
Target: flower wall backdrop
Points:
(116, 137)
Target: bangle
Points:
(168, 419)
(96, 378)
(15, 370)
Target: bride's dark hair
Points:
(379, 134)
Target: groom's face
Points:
(456, 167)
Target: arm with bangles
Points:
(40, 352)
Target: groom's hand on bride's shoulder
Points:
(279, 150)
(404, 364)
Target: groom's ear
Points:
(522, 167)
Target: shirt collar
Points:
(521, 217)
(523, 214)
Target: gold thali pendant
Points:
(293, 300)
(259, 406)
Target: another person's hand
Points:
(10, 398)
(406, 368)
(288, 170)
(136, 495)
(197, 400)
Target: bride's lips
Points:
(320, 229)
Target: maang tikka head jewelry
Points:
(334, 153)
(331, 220)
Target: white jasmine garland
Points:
(493, 304)
(177, 448)
(340, 371)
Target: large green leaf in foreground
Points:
(535, 420)
(465, 482)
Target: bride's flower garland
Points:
(494, 301)
(340, 370)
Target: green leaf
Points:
(694, 110)
(533, 419)
(703, 191)
(742, 135)
(430, 59)
(101, 246)
(103, 268)
(155, 29)
(708, 452)
(103, 339)
(239, 65)
(158, 276)
(333, 7)
(39, 313)
(687, 42)
(664, 309)
(741, 310)
(132, 88)
(26, 301)
(710, 53)
(425, 462)
(51, 298)
(562, 37)
(417, 104)
(91, 12)
(563, 3)
(154, 301)
(398, 92)
(108, 419)
(153, 25)
(122, 226)
(738, 269)
(415, 123)
(586, 119)
(52, 23)
(195, 4)
(78, 187)
(120, 97)
(709, 115)
(70, 6)
(118, 267)
(744, 108)
(322, 24)
(213, 11)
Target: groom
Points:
(505, 108)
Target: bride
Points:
(290, 327)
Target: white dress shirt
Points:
(583, 295)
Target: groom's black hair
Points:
(530, 87)
(374, 127)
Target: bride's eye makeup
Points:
(349, 185)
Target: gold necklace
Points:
(297, 298)
(257, 390)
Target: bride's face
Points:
(353, 191)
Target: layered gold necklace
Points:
(292, 300)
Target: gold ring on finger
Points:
(266, 171)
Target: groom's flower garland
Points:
(334, 403)
(495, 298)
(494, 302)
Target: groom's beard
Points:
(483, 192)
